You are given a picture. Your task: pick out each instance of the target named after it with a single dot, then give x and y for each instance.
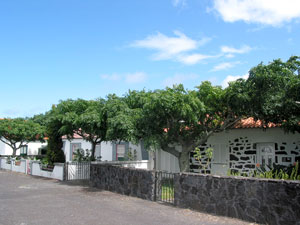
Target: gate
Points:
(77, 170)
(164, 187)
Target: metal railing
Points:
(164, 188)
(77, 170)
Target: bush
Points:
(276, 172)
(80, 155)
(55, 156)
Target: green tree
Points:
(85, 118)
(52, 120)
(18, 132)
(274, 93)
(175, 116)
(120, 119)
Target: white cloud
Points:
(137, 77)
(231, 50)
(266, 12)
(129, 78)
(192, 58)
(229, 55)
(231, 78)
(112, 77)
(166, 46)
(175, 48)
(179, 79)
(177, 3)
(224, 66)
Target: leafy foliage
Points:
(54, 149)
(81, 155)
(275, 172)
(274, 91)
(208, 154)
(176, 116)
(86, 118)
(18, 132)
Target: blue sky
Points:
(53, 50)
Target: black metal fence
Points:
(164, 188)
(77, 170)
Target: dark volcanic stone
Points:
(281, 153)
(233, 157)
(245, 158)
(250, 166)
(250, 152)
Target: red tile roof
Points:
(242, 124)
(251, 123)
(75, 136)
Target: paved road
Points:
(28, 200)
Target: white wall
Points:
(21, 168)
(2, 148)
(33, 148)
(168, 162)
(141, 164)
(5, 165)
(67, 147)
(106, 149)
(57, 173)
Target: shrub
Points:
(81, 155)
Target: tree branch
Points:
(171, 150)
(9, 144)
(225, 126)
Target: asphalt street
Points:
(28, 200)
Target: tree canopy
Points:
(18, 132)
(86, 118)
(175, 116)
(274, 93)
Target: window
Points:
(120, 152)
(265, 155)
(74, 147)
(23, 150)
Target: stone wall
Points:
(128, 181)
(255, 200)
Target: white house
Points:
(106, 151)
(31, 148)
(242, 149)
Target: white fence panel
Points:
(57, 173)
(4, 164)
(140, 164)
(18, 166)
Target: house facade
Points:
(106, 151)
(31, 148)
(241, 149)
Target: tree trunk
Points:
(93, 151)
(184, 160)
(14, 151)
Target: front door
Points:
(266, 155)
(220, 160)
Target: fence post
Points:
(155, 186)
(65, 171)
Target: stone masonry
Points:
(127, 181)
(251, 199)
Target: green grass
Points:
(167, 192)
